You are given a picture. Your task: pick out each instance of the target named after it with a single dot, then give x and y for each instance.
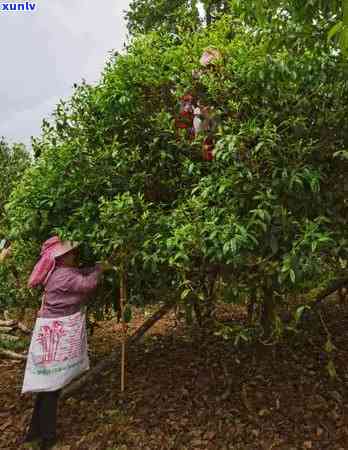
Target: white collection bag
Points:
(58, 353)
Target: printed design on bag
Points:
(77, 339)
(49, 338)
(57, 370)
(58, 353)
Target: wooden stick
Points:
(6, 329)
(23, 328)
(123, 365)
(123, 353)
(9, 337)
(8, 323)
(7, 315)
(12, 355)
(123, 302)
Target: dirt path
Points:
(192, 392)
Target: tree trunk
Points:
(208, 14)
(251, 306)
(208, 9)
(209, 301)
(268, 312)
(225, 6)
(342, 295)
(195, 10)
(105, 363)
(198, 311)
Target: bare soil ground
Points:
(186, 390)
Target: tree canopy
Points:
(266, 217)
(14, 160)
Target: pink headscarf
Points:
(50, 250)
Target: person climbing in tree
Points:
(58, 349)
(204, 123)
(197, 118)
(184, 120)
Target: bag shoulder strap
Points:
(43, 299)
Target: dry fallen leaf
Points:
(320, 431)
(6, 424)
(264, 412)
(209, 435)
(197, 443)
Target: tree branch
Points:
(334, 286)
(105, 363)
(12, 355)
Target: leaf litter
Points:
(191, 390)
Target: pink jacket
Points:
(67, 289)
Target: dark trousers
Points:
(44, 419)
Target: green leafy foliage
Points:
(144, 16)
(14, 159)
(268, 215)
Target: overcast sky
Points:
(44, 52)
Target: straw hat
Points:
(64, 247)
